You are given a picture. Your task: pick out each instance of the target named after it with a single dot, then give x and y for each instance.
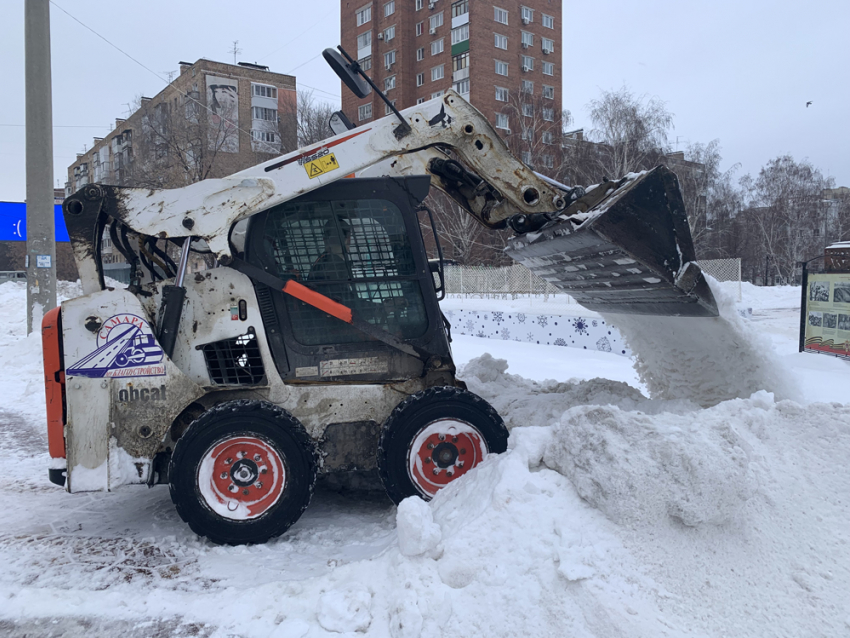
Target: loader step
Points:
(633, 254)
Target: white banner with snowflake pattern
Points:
(589, 333)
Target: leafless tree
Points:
(632, 131)
(309, 119)
(787, 212)
(179, 143)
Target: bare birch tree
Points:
(632, 131)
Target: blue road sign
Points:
(13, 222)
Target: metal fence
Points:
(518, 283)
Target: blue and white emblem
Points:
(126, 347)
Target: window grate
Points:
(235, 361)
(356, 252)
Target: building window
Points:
(460, 8)
(364, 112)
(435, 21)
(527, 63)
(549, 92)
(462, 86)
(262, 113)
(549, 115)
(437, 73)
(389, 8)
(261, 90)
(548, 21)
(389, 33)
(420, 79)
(365, 63)
(420, 54)
(501, 67)
(263, 136)
(387, 109)
(420, 100)
(547, 160)
(389, 59)
(500, 15)
(547, 137)
(548, 68)
(548, 45)
(527, 15)
(527, 39)
(436, 94)
(364, 15)
(501, 41)
(527, 110)
(460, 62)
(364, 40)
(437, 46)
(501, 94)
(389, 83)
(419, 5)
(526, 157)
(502, 121)
(419, 28)
(461, 34)
(527, 134)
(527, 86)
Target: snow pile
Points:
(611, 515)
(635, 468)
(705, 360)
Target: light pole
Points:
(41, 237)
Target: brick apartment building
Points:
(504, 57)
(214, 119)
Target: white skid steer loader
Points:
(318, 345)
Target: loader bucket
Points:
(632, 253)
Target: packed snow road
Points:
(613, 514)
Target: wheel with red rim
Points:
(433, 438)
(243, 472)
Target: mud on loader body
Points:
(318, 346)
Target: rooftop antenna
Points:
(170, 75)
(235, 50)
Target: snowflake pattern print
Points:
(543, 320)
(580, 325)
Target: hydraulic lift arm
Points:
(448, 138)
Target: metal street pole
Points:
(41, 238)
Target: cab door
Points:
(356, 241)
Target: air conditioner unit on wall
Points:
(380, 36)
(525, 20)
(432, 31)
(525, 45)
(547, 51)
(431, 5)
(525, 69)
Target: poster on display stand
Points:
(825, 324)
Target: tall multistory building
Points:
(504, 57)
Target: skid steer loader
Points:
(318, 345)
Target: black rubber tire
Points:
(249, 418)
(416, 412)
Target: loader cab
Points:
(358, 242)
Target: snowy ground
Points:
(612, 514)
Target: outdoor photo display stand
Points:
(825, 308)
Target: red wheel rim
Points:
(241, 477)
(442, 452)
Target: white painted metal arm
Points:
(208, 209)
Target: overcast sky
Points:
(739, 71)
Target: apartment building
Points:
(212, 120)
(503, 56)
